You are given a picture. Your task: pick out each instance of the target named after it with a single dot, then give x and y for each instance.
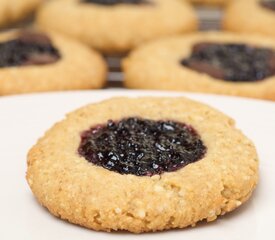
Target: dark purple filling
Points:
(141, 147)
(28, 49)
(114, 2)
(232, 62)
(270, 4)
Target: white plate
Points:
(23, 119)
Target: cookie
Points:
(16, 10)
(126, 164)
(32, 61)
(210, 2)
(119, 25)
(238, 18)
(212, 62)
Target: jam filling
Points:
(28, 49)
(270, 4)
(232, 62)
(141, 147)
(114, 2)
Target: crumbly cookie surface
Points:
(79, 67)
(91, 196)
(157, 66)
(117, 28)
(16, 10)
(238, 18)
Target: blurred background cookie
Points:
(32, 61)
(117, 26)
(256, 16)
(210, 2)
(12, 11)
(214, 62)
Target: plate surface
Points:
(23, 119)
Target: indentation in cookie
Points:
(28, 48)
(142, 147)
(231, 61)
(114, 2)
(270, 4)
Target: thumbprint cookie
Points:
(117, 26)
(32, 61)
(211, 62)
(143, 165)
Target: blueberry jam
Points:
(141, 147)
(28, 49)
(114, 2)
(232, 62)
(270, 4)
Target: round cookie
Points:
(35, 62)
(97, 168)
(16, 10)
(166, 64)
(238, 18)
(113, 28)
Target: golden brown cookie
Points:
(35, 62)
(241, 65)
(210, 2)
(251, 16)
(15, 10)
(117, 27)
(126, 164)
